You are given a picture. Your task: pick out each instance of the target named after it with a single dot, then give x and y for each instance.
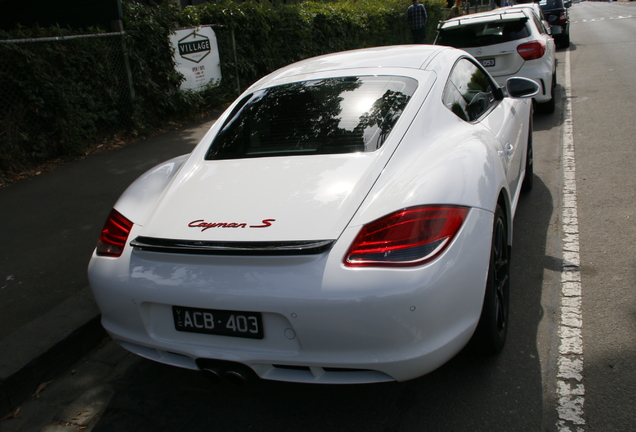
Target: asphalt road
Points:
(603, 61)
(520, 390)
(74, 211)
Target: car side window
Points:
(469, 92)
(538, 24)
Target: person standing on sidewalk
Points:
(416, 17)
(456, 10)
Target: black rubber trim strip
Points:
(197, 247)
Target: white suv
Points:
(509, 41)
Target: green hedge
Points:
(157, 97)
(268, 37)
(56, 96)
(77, 94)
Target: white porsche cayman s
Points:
(347, 220)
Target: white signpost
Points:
(196, 55)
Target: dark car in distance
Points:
(556, 13)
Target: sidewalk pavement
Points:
(49, 227)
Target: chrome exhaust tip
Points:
(235, 377)
(233, 373)
(213, 374)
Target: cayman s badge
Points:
(203, 225)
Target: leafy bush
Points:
(66, 96)
(157, 96)
(268, 37)
(57, 97)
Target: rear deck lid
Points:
(492, 40)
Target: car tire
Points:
(565, 41)
(492, 329)
(549, 106)
(528, 180)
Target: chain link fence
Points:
(60, 94)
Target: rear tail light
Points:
(408, 237)
(114, 235)
(563, 17)
(531, 50)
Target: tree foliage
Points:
(77, 96)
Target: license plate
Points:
(218, 322)
(489, 62)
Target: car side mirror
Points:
(518, 87)
(568, 4)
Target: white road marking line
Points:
(570, 388)
(603, 19)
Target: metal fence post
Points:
(238, 81)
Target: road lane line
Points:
(570, 388)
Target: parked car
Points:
(556, 12)
(538, 12)
(347, 220)
(509, 41)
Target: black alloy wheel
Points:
(492, 329)
(565, 43)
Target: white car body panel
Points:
(319, 208)
(141, 196)
(399, 58)
(324, 322)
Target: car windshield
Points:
(483, 34)
(325, 116)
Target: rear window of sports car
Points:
(483, 34)
(325, 116)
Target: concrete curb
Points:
(49, 345)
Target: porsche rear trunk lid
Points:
(264, 200)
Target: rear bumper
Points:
(323, 322)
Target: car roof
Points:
(415, 61)
(403, 57)
(500, 14)
(532, 6)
